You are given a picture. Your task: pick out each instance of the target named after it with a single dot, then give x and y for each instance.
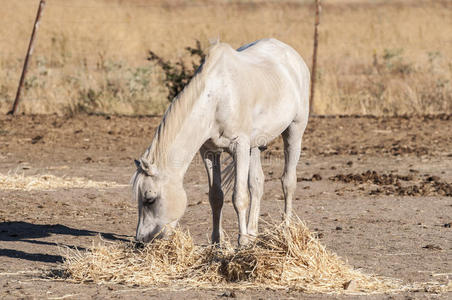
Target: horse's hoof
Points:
(217, 239)
(244, 240)
(217, 244)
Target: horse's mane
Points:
(182, 105)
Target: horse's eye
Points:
(149, 201)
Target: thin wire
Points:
(225, 22)
(167, 5)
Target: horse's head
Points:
(161, 201)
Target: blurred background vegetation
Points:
(92, 56)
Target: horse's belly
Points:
(270, 122)
(261, 119)
(264, 134)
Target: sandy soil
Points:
(393, 221)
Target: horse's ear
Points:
(214, 41)
(148, 168)
(137, 163)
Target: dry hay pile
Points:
(284, 257)
(49, 182)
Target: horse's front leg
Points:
(240, 198)
(256, 186)
(213, 168)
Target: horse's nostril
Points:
(139, 245)
(140, 238)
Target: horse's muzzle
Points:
(159, 232)
(146, 237)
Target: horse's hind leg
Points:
(256, 186)
(213, 168)
(292, 137)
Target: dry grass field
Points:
(379, 198)
(375, 57)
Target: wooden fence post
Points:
(27, 57)
(314, 55)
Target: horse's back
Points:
(273, 50)
(266, 89)
(277, 71)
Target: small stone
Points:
(36, 139)
(229, 294)
(432, 247)
(316, 177)
(318, 235)
(338, 228)
(433, 178)
(350, 285)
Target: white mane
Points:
(177, 112)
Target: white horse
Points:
(238, 101)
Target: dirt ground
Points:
(377, 191)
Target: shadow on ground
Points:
(28, 233)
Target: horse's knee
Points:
(241, 200)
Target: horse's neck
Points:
(187, 143)
(195, 130)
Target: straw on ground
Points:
(283, 257)
(49, 182)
